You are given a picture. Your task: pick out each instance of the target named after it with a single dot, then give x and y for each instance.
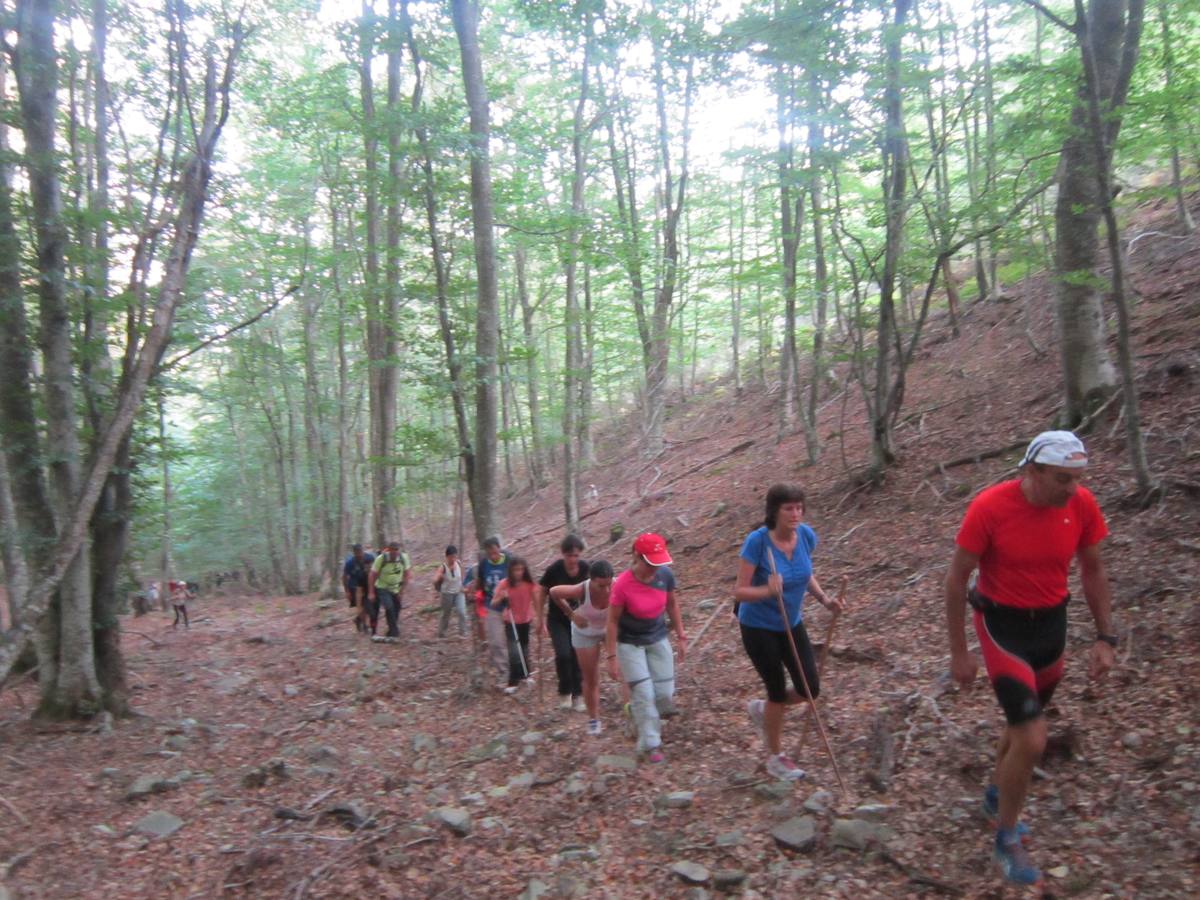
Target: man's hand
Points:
(1101, 659)
(614, 671)
(963, 667)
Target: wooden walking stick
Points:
(695, 642)
(804, 678)
(837, 613)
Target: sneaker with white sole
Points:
(578, 705)
(565, 702)
(991, 811)
(594, 726)
(757, 712)
(1013, 859)
(781, 767)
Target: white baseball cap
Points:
(1056, 448)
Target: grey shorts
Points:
(582, 641)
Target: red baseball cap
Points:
(652, 548)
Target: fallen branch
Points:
(915, 876)
(975, 458)
(142, 635)
(732, 451)
(16, 812)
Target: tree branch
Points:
(274, 304)
(1072, 27)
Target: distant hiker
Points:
(514, 594)
(586, 604)
(639, 651)
(180, 595)
(568, 570)
(356, 572)
(491, 569)
(448, 585)
(1022, 535)
(390, 574)
(784, 535)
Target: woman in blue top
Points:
(764, 632)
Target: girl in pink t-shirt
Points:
(515, 595)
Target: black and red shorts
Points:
(1023, 653)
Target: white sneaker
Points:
(783, 768)
(757, 712)
(510, 688)
(594, 726)
(578, 705)
(565, 702)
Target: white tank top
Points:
(597, 619)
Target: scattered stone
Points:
(532, 737)
(574, 787)
(730, 838)
(475, 798)
(696, 893)
(873, 812)
(707, 605)
(337, 714)
(291, 815)
(351, 815)
(110, 773)
(1132, 741)
(728, 879)
(818, 802)
(384, 720)
(424, 743)
(1058, 872)
(318, 753)
(858, 834)
(324, 604)
(178, 742)
(329, 621)
(691, 872)
(579, 852)
(490, 822)
(675, 800)
(496, 748)
(774, 790)
(720, 508)
(290, 690)
(456, 819)
(158, 824)
(104, 830)
(611, 761)
(743, 779)
(145, 785)
(524, 780)
(498, 793)
(799, 833)
(536, 890)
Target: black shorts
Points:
(771, 655)
(1023, 654)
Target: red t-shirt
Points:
(520, 601)
(1024, 550)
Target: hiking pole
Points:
(837, 613)
(541, 686)
(517, 642)
(804, 678)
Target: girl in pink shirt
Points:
(515, 595)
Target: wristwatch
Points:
(1110, 639)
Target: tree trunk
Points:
(1088, 374)
(537, 472)
(1186, 222)
(487, 317)
(816, 192)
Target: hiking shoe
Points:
(565, 702)
(781, 767)
(578, 705)
(991, 810)
(594, 726)
(667, 708)
(756, 710)
(655, 756)
(1013, 859)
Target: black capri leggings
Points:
(770, 653)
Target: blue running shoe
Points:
(991, 810)
(1013, 859)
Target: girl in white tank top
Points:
(589, 621)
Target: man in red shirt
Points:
(1022, 535)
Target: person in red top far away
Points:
(1022, 535)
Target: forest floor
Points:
(301, 760)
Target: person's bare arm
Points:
(746, 592)
(610, 642)
(1099, 600)
(677, 622)
(962, 666)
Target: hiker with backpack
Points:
(390, 573)
(568, 569)
(490, 570)
(776, 561)
(636, 639)
(356, 571)
(1022, 535)
(448, 585)
(514, 595)
(586, 605)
